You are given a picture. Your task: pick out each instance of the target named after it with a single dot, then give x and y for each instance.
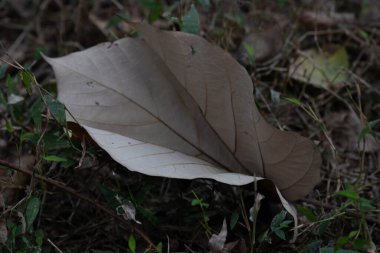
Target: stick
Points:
(67, 189)
(329, 206)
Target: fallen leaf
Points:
(2, 202)
(239, 246)
(344, 128)
(370, 12)
(128, 209)
(266, 44)
(174, 105)
(14, 99)
(3, 232)
(313, 18)
(3, 143)
(217, 242)
(256, 207)
(321, 69)
(106, 27)
(24, 9)
(12, 184)
(22, 221)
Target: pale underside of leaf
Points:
(141, 99)
(155, 160)
(189, 105)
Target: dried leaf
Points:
(174, 105)
(128, 209)
(24, 9)
(219, 84)
(12, 185)
(2, 202)
(313, 18)
(321, 69)
(239, 246)
(256, 207)
(22, 221)
(14, 99)
(3, 232)
(265, 44)
(344, 128)
(216, 242)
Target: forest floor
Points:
(315, 67)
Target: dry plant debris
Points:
(314, 70)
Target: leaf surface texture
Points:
(171, 104)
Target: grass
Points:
(64, 194)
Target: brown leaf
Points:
(11, 184)
(2, 202)
(3, 232)
(288, 159)
(218, 243)
(313, 18)
(344, 128)
(266, 43)
(174, 105)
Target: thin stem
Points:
(70, 190)
(334, 207)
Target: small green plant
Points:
(278, 227)
(132, 243)
(23, 237)
(250, 50)
(155, 8)
(354, 199)
(279, 223)
(357, 238)
(369, 129)
(50, 143)
(159, 247)
(203, 206)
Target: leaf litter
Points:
(321, 69)
(322, 194)
(345, 127)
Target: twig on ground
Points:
(330, 206)
(54, 246)
(67, 189)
